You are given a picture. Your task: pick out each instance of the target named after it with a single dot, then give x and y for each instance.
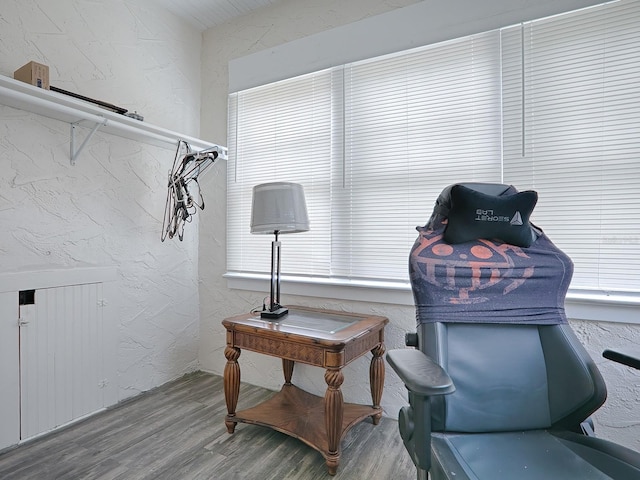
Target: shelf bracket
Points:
(73, 152)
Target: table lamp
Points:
(278, 207)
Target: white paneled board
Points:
(57, 350)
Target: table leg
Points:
(376, 379)
(333, 410)
(287, 368)
(231, 385)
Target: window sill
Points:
(581, 304)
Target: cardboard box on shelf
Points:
(34, 73)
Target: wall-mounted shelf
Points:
(23, 96)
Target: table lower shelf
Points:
(301, 415)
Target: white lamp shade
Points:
(279, 206)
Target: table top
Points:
(323, 325)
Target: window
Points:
(551, 105)
(414, 123)
(572, 132)
(372, 143)
(283, 132)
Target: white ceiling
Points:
(205, 14)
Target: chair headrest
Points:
(485, 210)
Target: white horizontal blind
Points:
(282, 132)
(372, 153)
(414, 123)
(581, 140)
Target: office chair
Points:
(499, 386)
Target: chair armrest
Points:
(631, 359)
(420, 374)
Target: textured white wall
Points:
(287, 21)
(107, 210)
(124, 52)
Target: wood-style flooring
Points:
(177, 432)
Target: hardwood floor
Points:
(177, 432)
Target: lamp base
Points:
(273, 314)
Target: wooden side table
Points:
(322, 338)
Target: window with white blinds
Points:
(552, 105)
(283, 132)
(372, 143)
(571, 93)
(413, 124)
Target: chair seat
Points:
(530, 455)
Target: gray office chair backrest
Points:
(512, 377)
